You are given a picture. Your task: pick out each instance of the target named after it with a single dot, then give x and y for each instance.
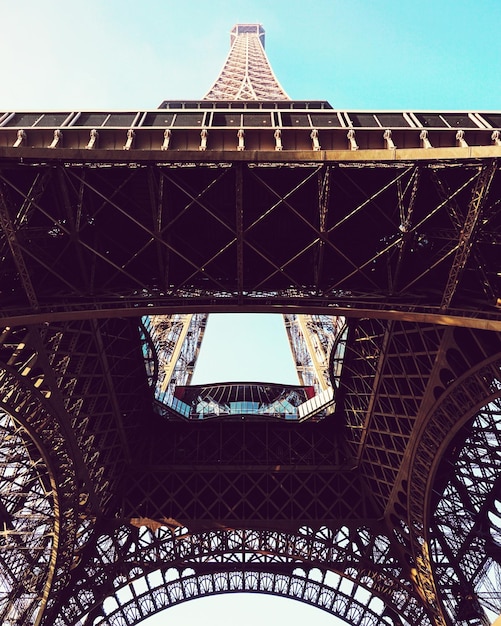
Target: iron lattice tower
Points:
(376, 499)
(247, 73)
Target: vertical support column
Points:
(311, 338)
(239, 221)
(323, 207)
(177, 339)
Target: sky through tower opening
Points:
(245, 346)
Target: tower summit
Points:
(247, 73)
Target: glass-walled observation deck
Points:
(240, 400)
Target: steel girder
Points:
(171, 347)
(466, 530)
(105, 240)
(39, 487)
(60, 390)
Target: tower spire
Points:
(247, 73)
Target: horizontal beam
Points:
(79, 156)
(123, 276)
(481, 323)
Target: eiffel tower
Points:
(372, 489)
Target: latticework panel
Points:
(466, 531)
(171, 346)
(465, 539)
(27, 519)
(393, 373)
(247, 73)
(134, 572)
(39, 490)
(311, 338)
(406, 389)
(273, 235)
(93, 364)
(256, 498)
(390, 365)
(66, 387)
(244, 473)
(458, 403)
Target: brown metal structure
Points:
(384, 512)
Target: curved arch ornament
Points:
(156, 593)
(446, 567)
(466, 527)
(38, 500)
(137, 571)
(27, 523)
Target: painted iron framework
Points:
(247, 73)
(385, 512)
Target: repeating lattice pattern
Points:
(280, 240)
(311, 338)
(247, 73)
(27, 521)
(38, 486)
(466, 522)
(344, 571)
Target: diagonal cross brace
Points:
(15, 248)
(466, 235)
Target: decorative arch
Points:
(27, 518)
(458, 412)
(136, 571)
(39, 496)
(157, 592)
(465, 537)
(37, 491)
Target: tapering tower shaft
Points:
(247, 73)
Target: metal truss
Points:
(118, 236)
(393, 376)
(247, 73)
(27, 520)
(149, 567)
(208, 513)
(311, 338)
(466, 530)
(459, 403)
(196, 466)
(79, 378)
(244, 473)
(60, 403)
(38, 486)
(171, 347)
(365, 257)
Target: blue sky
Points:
(434, 54)
(357, 54)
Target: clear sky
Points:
(357, 54)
